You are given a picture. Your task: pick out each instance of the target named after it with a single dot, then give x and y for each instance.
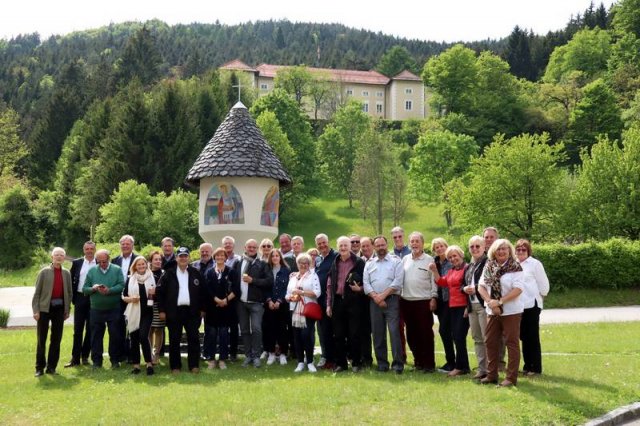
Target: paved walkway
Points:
(18, 300)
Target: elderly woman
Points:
(138, 295)
(457, 312)
(439, 248)
(500, 287)
(221, 287)
(314, 253)
(51, 305)
(266, 245)
(304, 287)
(276, 312)
(536, 287)
(475, 304)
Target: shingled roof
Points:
(238, 149)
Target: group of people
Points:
(276, 298)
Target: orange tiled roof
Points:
(340, 75)
(407, 75)
(236, 64)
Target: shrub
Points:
(17, 237)
(610, 264)
(4, 318)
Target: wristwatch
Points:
(500, 302)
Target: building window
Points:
(349, 92)
(365, 106)
(408, 91)
(264, 86)
(379, 94)
(365, 93)
(408, 105)
(379, 108)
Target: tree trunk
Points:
(379, 205)
(448, 217)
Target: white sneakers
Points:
(271, 359)
(299, 368)
(283, 359)
(311, 368)
(263, 355)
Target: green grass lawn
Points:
(586, 373)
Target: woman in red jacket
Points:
(454, 281)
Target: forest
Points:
(536, 134)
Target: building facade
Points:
(401, 97)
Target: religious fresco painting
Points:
(224, 206)
(270, 206)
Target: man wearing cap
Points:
(180, 304)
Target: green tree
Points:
(452, 75)
(17, 239)
(597, 113)
(338, 144)
(518, 54)
(176, 215)
(141, 59)
(439, 157)
(626, 18)
(515, 185)
(12, 149)
(606, 199)
(295, 124)
(588, 51)
(294, 80)
(396, 60)
(130, 211)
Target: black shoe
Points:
(398, 371)
(72, 363)
(51, 371)
(150, 371)
(445, 369)
(85, 361)
(39, 373)
(382, 369)
(355, 369)
(115, 365)
(135, 371)
(339, 369)
(96, 366)
(429, 370)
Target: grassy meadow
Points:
(583, 378)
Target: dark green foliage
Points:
(396, 60)
(17, 239)
(141, 59)
(610, 264)
(518, 54)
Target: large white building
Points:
(401, 97)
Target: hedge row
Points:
(610, 264)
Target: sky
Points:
(441, 20)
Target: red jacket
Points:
(454, 280)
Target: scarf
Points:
(493, 271)
(297, 319)
(133, 310)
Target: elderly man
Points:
(229, 244)
(399, 249)
(344, 305)
(51, 305)
(82, 306)
(367, 252)
(366, 249)
(256, 282)
(297, 247)
(285, 245)
(180, 303)
(490, 234)
(124, 262)
(418, 301)
(168, 256)
(354, 240)
(325, 327)
(383, 279)
(104, 285)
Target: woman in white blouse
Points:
(500, 287)
(536, 287)
(303, 285)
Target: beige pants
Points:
(478, 324)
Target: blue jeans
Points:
(101, 320)
(213, 335)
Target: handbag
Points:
(311, 310)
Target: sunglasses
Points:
(475, 246)
(397, 237)
(355, 242)
(521, 250)
(266, 246)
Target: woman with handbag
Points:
(302, 294)
(221, 288)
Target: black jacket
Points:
(76, 266)
(354, 276)
(472, 275)
(168, 289)
(118, 261)
(262, 280)
(220, 288)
